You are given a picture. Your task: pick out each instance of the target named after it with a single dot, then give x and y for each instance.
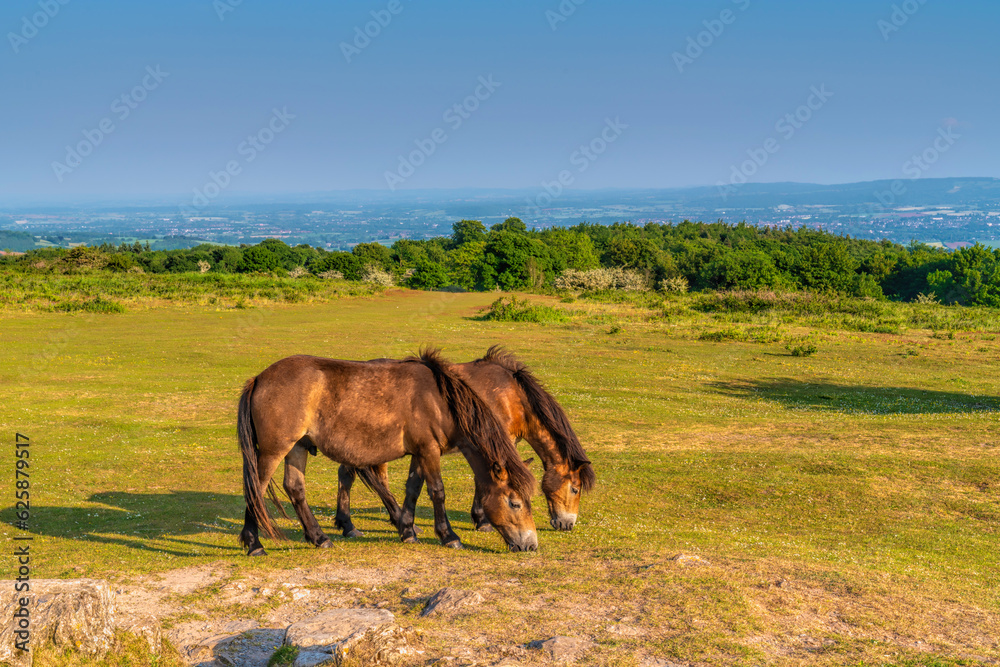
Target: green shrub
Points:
(95, 305)
(428, 275)
(748, 335)
(803, 350)
(513, 309)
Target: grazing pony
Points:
(365, 414)
(527, 411)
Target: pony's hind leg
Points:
(295, 487)
(250, 536)
(345, 480)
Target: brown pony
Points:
(365, 414)
(528, 412)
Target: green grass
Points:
(284, 657)
(128, 651)
(107, 292)
(847, 502)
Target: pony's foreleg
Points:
(345, 480)
(295, 487)
(430, 467)
(478, 513)
(414, 483)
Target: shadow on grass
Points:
(160, 522)
(383, 528)
(858, 399)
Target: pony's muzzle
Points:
(562, 521)
(526, 542)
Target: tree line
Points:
(509, 256)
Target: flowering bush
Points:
(603, 279)
(376, 275)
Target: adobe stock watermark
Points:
(786, 127)
(454, 117)
(916, 166)
(21, 603)
(248, 150)
(899, 17)
(121, 108)
(698, 44)
(582, 158)
(562, 13)
(30, 25)
(249, 324)
(363, 36)
(223, 7)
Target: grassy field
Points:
(844, 503)
(92, 291)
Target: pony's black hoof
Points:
(410, 540)
(485, 527)
(325, 544)
(454, 544)
(354, 532)
(259, 551)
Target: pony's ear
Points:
(498, 472)
(527, 462)
(587, 476)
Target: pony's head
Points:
(563, 486)
(506, 500)
(569, 473)
(505, 482)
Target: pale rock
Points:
(450, 600)
(685, 560)
(336, 631)
(563, 649)
(69, 613)
(311, 659)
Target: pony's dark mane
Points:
(477, 420)
(549, 413)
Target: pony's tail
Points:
(253, 494)
(371, 481)
(376, 484)
(549, 412)
(478, 421)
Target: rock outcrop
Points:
(335, 633)
(75, 613)
(562, 649)
(449, 600)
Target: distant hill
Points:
(16, 241)
(917, 192)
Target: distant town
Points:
(940, 212)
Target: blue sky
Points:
(556, 78)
